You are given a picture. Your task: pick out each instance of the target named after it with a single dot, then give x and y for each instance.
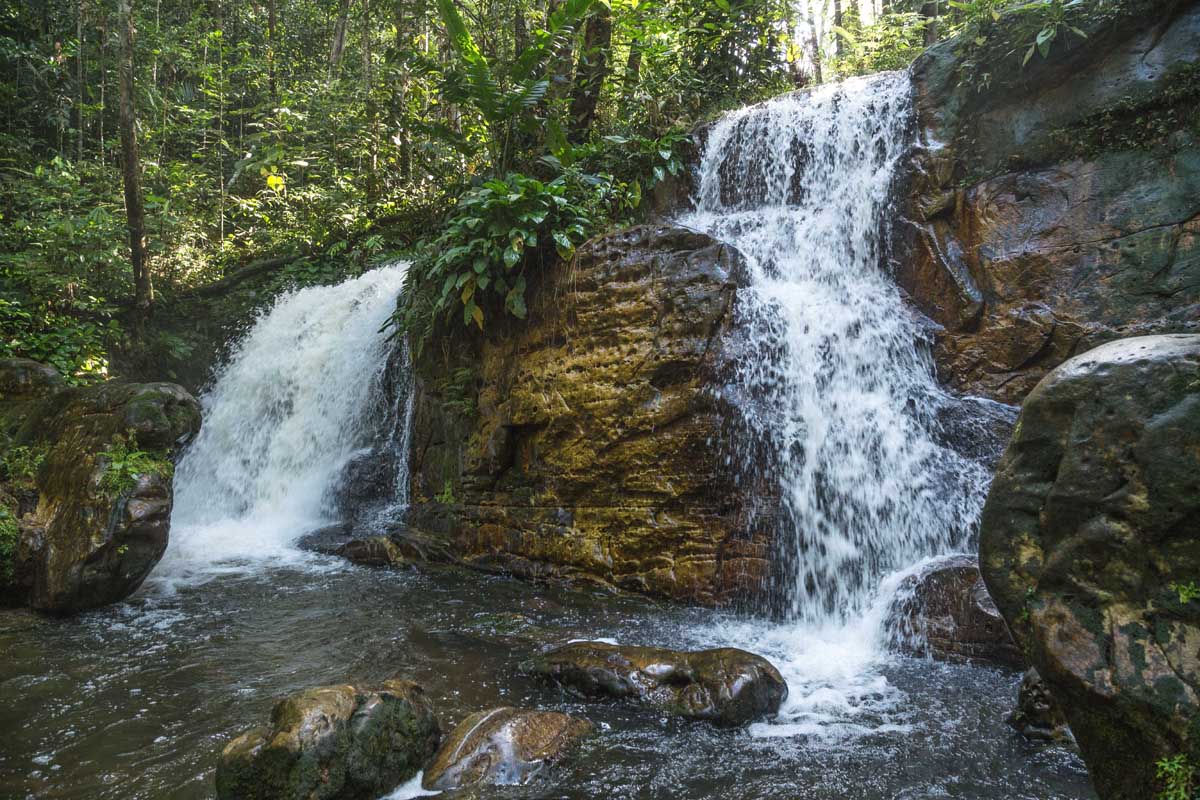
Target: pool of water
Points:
(136, 701)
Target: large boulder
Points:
(725, 686)
(945, 611)
(503, 746)
(96, 462)
(590, 440)
(332, 743)
(1089, 541)
(1055, 206)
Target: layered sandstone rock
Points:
(1090, 545)
(588, 441)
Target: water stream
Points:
(136, 701)
(839, 387)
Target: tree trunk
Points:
(814, 42)
(79, 80)
(143, 290)
(837, 23)
(339, 39)
(633, 71)
(590, 71)
(271, 22)
(930, 12)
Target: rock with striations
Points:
(503, 747)
(1089, 543)
(725, 686)
(332, 743)
(945, 611)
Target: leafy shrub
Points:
(9, 535)
(1187, 591)
(480, 258)
(1177, 776)
(20, 464)
(124, 463)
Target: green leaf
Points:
(511, 257)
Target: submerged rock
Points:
(725, 686)
(1089, 544)
(503, 746)
(100, 458)
(945, 611)
(1038, 715)
(332, 743)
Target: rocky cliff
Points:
(589, 440)
(1056, 206)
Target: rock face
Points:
(725, 686)
(332, 742)
(1057, 207)
(946, 611)
(586, 441)
(503, 746)
(93, 529)
(1038, 715)
(1088, 534)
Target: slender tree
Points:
(591, 70)
(143, 289)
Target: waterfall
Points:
(839, 390)
(296, 400)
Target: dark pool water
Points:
(136, 701)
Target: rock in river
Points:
(503, 746)
(1038, 714)
(945, 611)
(1090, 543)
(332, 743)
(725, 686)
(95, 467)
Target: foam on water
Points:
(291, 406)
(839, 390)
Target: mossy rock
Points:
(332, 743)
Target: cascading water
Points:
(293, 404)
(842, 391)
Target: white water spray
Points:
(843, 393)
(292, 405)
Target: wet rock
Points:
(377, 551)
(327, 540)
(503, 746)
(1038, 715)
(588, 443)
(1033, 231)
(1088, 533)
(725, 686)
(367, 482)
(98, 527)
(332, 743)
(946, 611)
